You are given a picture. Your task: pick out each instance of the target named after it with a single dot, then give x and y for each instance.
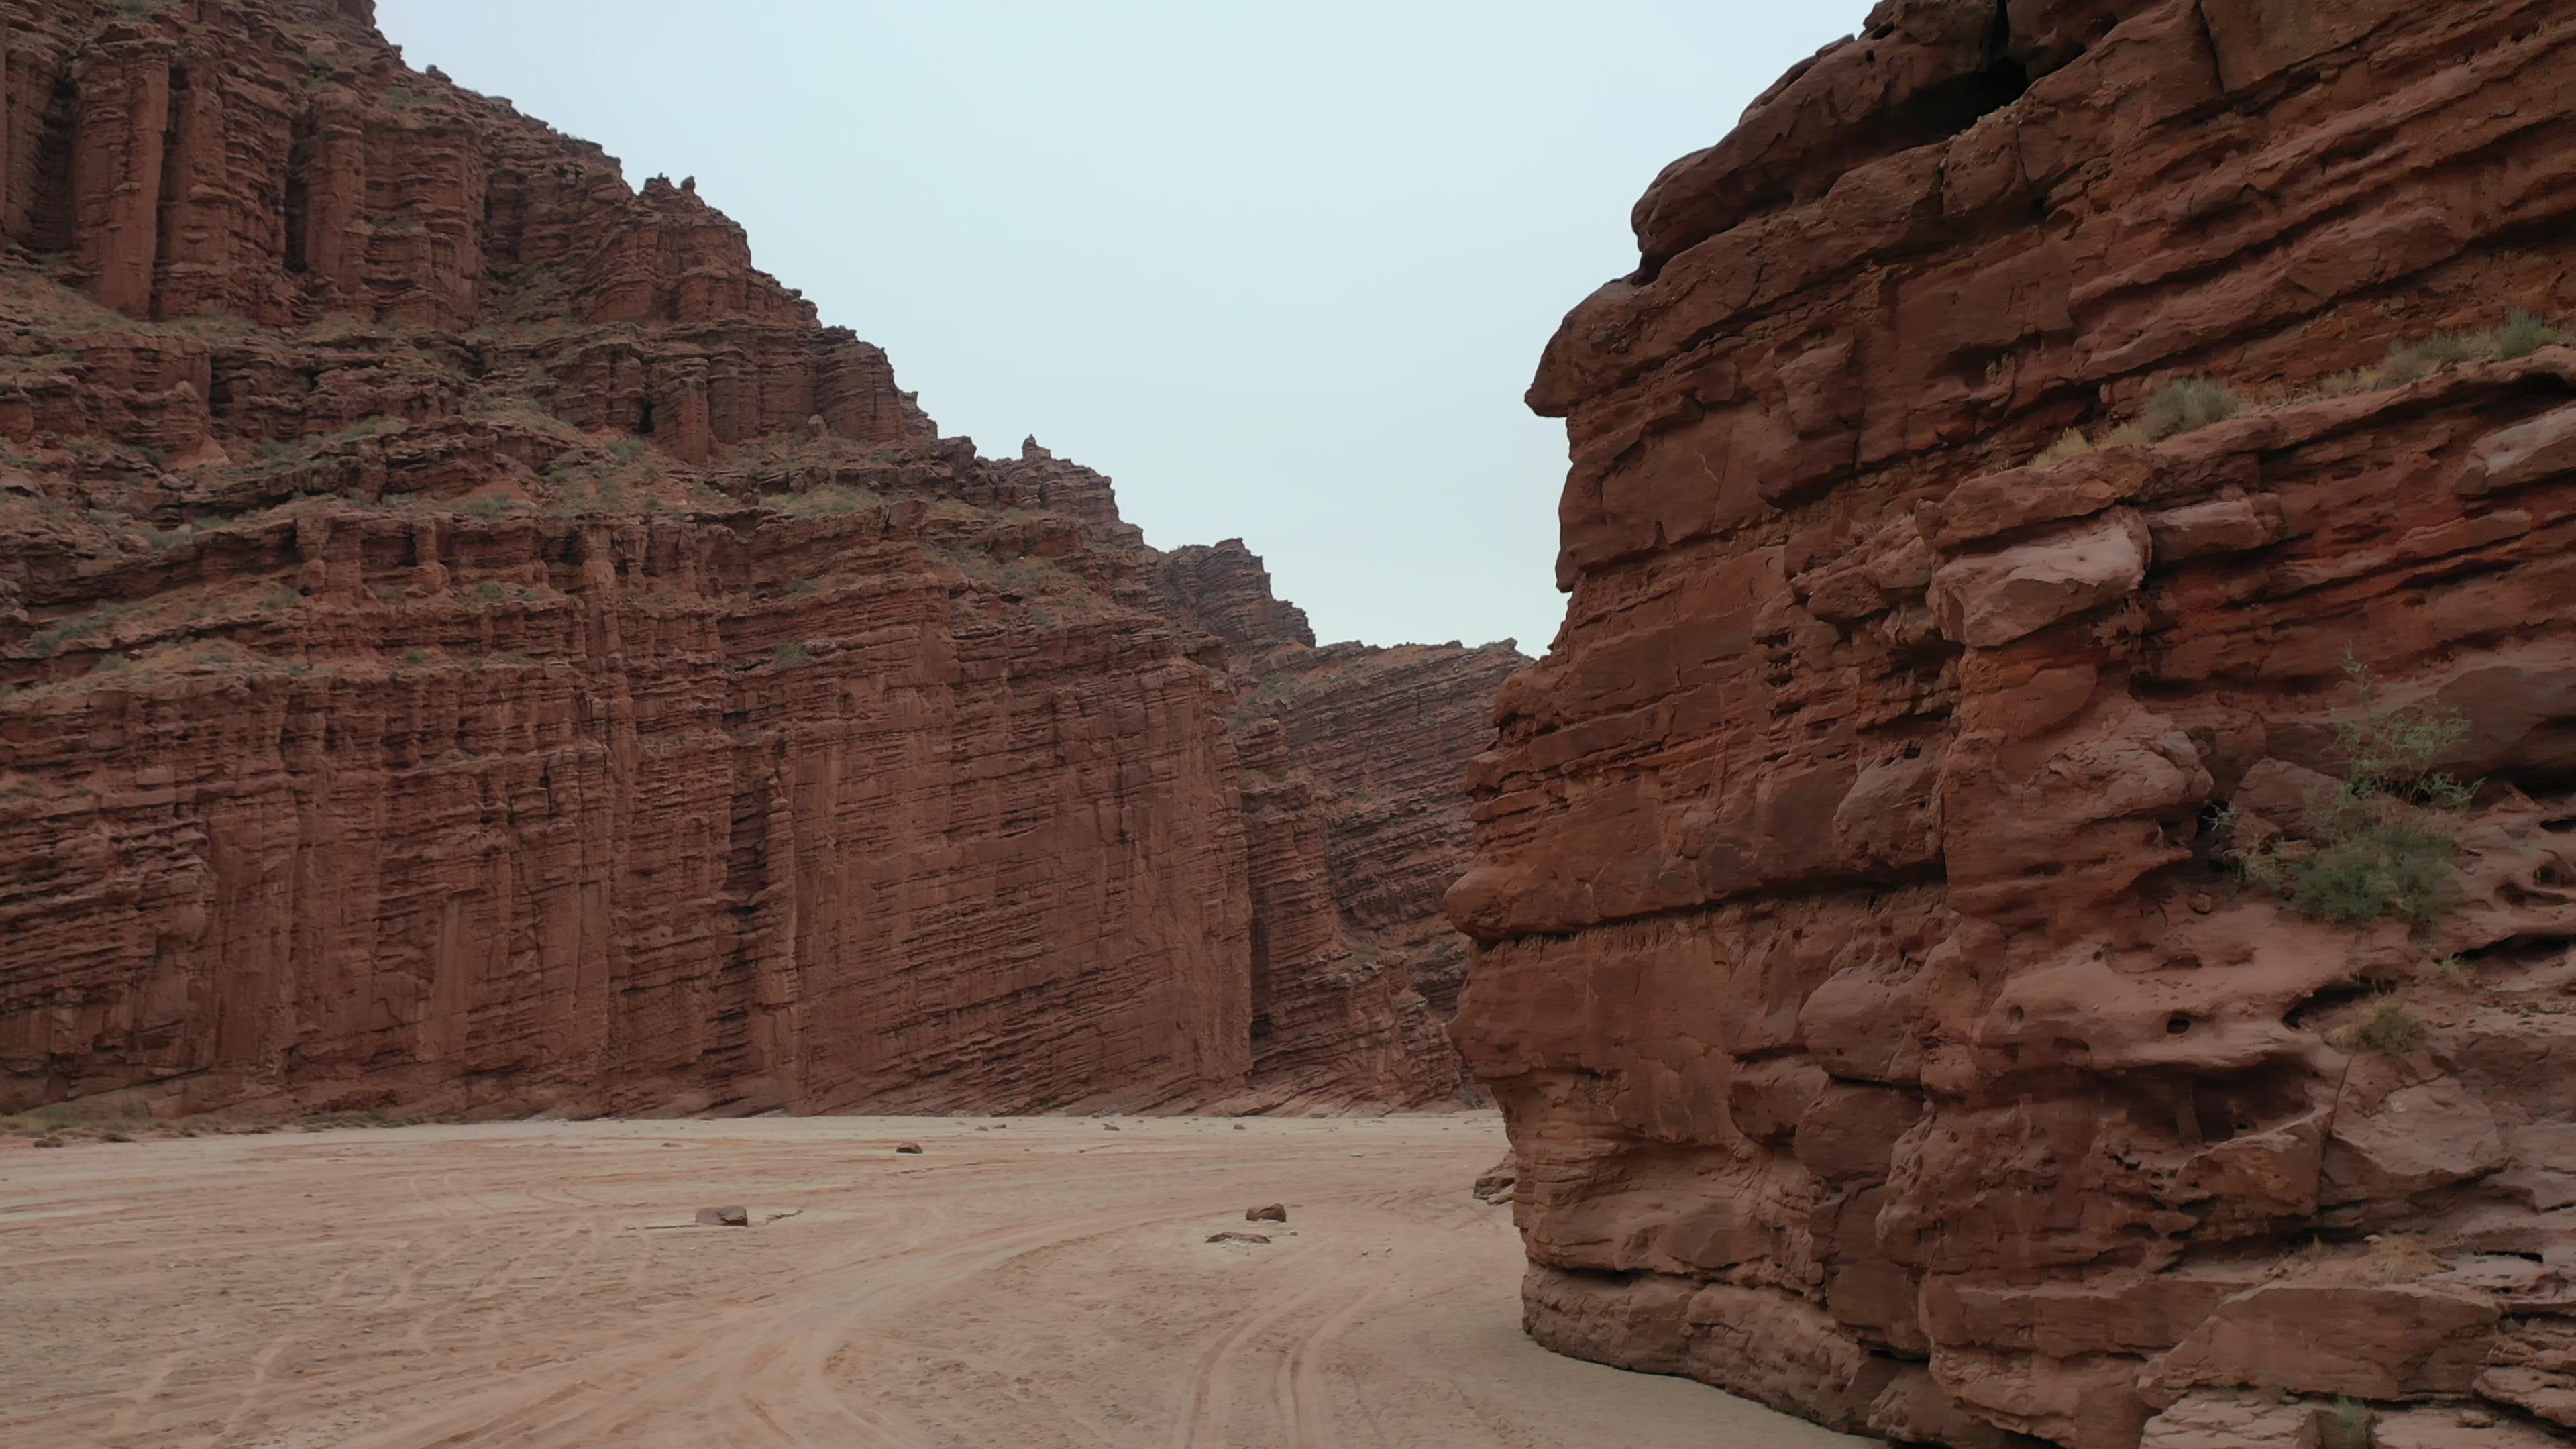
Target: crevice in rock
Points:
(49, 213)
(297, 204)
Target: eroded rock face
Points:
(1881, 1029)
(1349, 782)
(469, 639)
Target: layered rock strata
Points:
(1352, 758)
(1900, 1015)
(469, 639)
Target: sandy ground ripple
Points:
(1039, 1284)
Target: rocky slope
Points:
(1961, 957)
(468, 638)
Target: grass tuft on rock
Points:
(2390, 1030)
(2188, 406)
(2355, 1425)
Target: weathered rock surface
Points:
(467, 637)
(1351, 762)
(1881, 1031)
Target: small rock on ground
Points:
(1275, 1213)
(724, 1217)
(1236, 1238)
(913, 1148)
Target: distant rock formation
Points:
(469, 639)
(1961, 958)
(1353, 761)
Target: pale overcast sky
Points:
(1281, 269)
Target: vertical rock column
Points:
(116, 172)
(195, 225)
(327, 197)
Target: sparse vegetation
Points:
(53, 638)
(2070, 444)
(2409, 361)
(2187, 406)
(2521, 335)
(2355, 1425)
(2390, 1029)
(830, 500)
(2377, 843)
(788, 656)
(2198, 402)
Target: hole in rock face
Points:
(1956, 105)
(2532, 948)
(2217, 1119)
(2177, 1024)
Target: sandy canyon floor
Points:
(1041, 1283)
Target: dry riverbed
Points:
(1041, 1283)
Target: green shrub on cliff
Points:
(2188, 406)
(2390, 1030)
(2521, 335)
(2378, 843)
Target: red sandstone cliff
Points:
(1915, 954)
(1352, 758)
(467, 638)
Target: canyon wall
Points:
(1352, 762)
(468, 639)
(2032, 901)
